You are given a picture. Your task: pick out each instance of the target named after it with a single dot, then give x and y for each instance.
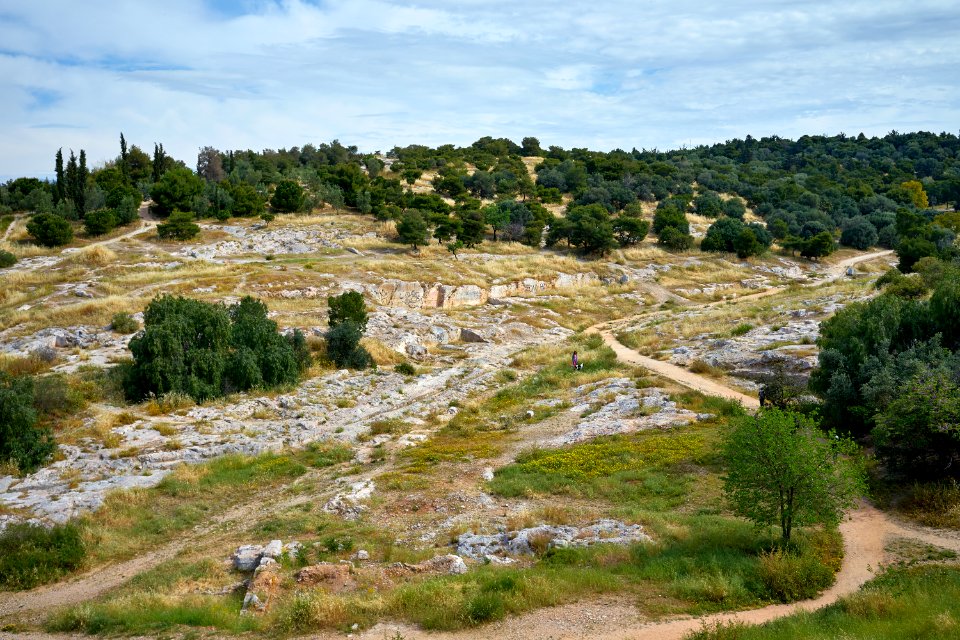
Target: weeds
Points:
(31, 555)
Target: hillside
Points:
(472, 482)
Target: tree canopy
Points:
(783, 471)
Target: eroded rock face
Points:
(415, 295)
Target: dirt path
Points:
(678, 374)
(6, 234)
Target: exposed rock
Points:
(335, 577)
(274, 549)
(262, 588)
(247, 557)
(449, 564)
(469, 335)
(349, 504)
(534, 539)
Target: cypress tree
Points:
(82, 175)
(60, 188)
(124, 166)
(158, 161)
(70, 188)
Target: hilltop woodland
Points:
(886, 386)
(806, 194)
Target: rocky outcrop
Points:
(540, 538)
(416, 295)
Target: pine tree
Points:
(60, 188)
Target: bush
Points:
(179, 226)
(123, 322)
(790, 576)
(343, 346)
(50, 230)
(205, 350)
(405, 368)
(99, 222)
(674, 239)
(53, 397)
(31, 555)
(23, 441)
(349, 305)
(288, 197)
(7, 259)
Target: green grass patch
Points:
(919, 602)
(646, 471)
(31, 555)
(147, 613)
(741, 329)
(133, 520)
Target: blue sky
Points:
(378, 73)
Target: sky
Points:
(605, 74)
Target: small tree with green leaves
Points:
(99, 222)
(412, 229)
(23, 441)
(50, 230)
(348, 306)
(783, 471)
(348, 321)
(287, 197)
(179, 226)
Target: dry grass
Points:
(167, 403)
(98, 256)
(383, 355)
(29, 365)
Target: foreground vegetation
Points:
(909, 602)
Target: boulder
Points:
(469, 335)
(247, 557)
(449, 564)
(274, 549)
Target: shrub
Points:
(790, 576)
(288, 197)
(123, 322)
(343, 346)
(348, 305)
(405, 368)
(23, 441)
(99, 222)
(53, 397)
(31, 555)
(179, 226)
(204, 350)
(50, 230)
(7, 259)
(674, 239)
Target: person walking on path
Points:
(577, 365)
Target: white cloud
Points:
(377, 73)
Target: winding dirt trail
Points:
(678, 374)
